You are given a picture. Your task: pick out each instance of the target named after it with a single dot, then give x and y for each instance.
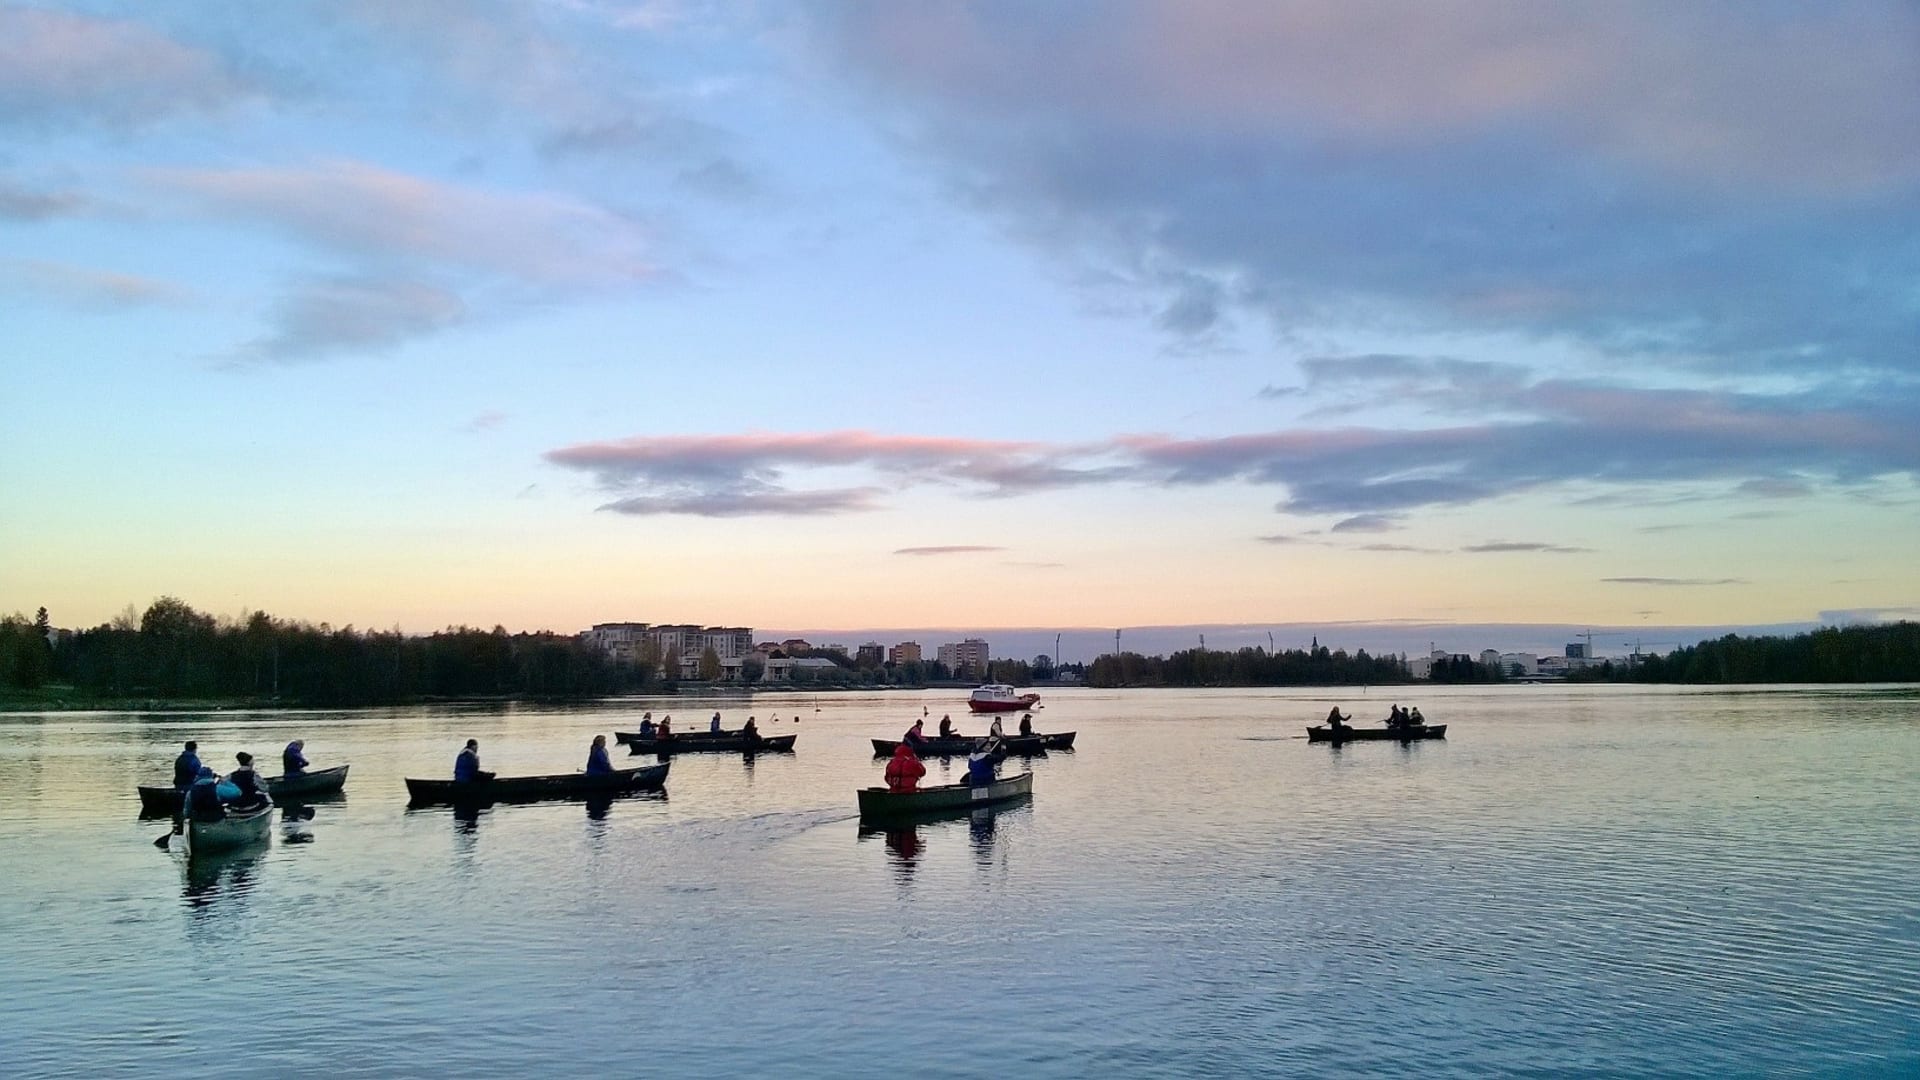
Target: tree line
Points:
(173, 652)
(1886, 652)
(1253, 666)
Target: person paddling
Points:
(466, 767)
(597, 761)
(713, 726)
(905, 770)
(750, 733)
(946, 727)
(293, 760)
(1335, 720)
(916, 735)
(1026, 724)
(186, 767)
(247, 782)
(980, 764)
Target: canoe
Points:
(1322, 733)
(156, 801)
(733, 743)
(960, 746)
(238, 829)
(878, 802)
(318, 782)
(536, 788)
(701, 735)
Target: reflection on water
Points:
(224, 876)
(907, 840)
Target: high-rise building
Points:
(907, 652)
(965, 659)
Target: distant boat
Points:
(1322, 733)
(725, 742)
(999, 697)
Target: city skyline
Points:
(1169, 315)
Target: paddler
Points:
(597, 760)
(946, 726)
(186, 767)
(905, 770)
(916, 735)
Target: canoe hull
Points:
(1324, 734)
(319, 782)
(1017, 745)
(536, 788)
(778, 744)
(236, 830)
(879, 803)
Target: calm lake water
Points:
(1593, 880)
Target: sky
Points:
(969, 315)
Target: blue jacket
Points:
(466, 766)
(980, 770)
(597, 760)
(203, 801)
(292, 762)
(186, 768)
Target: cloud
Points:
(1716, 186)
(1775, 488)
(1280, 538)
(1870, 615)
(88, 286)
(325, 317)
(947, 549)
(748, 504)
(1641, 446)
(1501, 546)
(490, 420)
(1398, 547)
(1674, 582)
(59, 69)
(371, 213)
(1277, 393)
(18, 203)
(1365, 523)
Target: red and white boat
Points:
(999, 697)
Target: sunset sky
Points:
(961, 314)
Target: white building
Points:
(965, 659)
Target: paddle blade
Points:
(162, 842)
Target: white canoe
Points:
(237, 829)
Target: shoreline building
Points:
(680, 644)
(907, 652)
(964, 659)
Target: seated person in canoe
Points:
(1415, 718)
(1026, 723)
(665, 730)
(186, 767)
(905, 770)
(597, 761)
(466, 767)
(916, 735)
(750, 732)
(994, 730)
(202, 801)
(713, 725)
(646, 726)
(946, 726)
(245, 783)
(293, 760)
(980, 764)
(1335, 720)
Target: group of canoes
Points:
(1401, 725)
(212, 812)
(903, 797)
(242, 813)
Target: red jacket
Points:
(904, 771)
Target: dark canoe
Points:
(702, 735)
(1322, 733)
(159, 801)
(536, 788)
(732, 743)
(879, 803)
(1017, 745)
